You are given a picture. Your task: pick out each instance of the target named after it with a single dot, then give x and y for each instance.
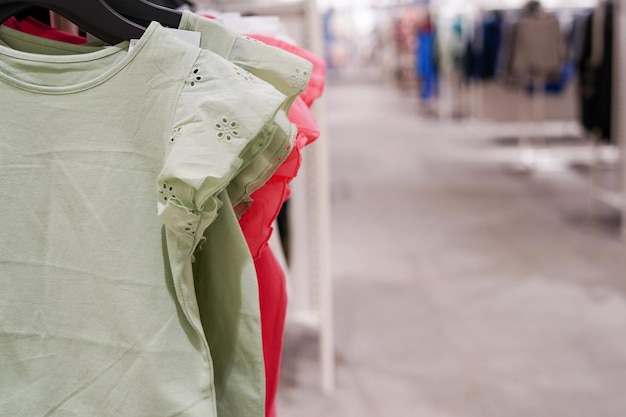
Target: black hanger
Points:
(174, 4)
(143, 11)
(38, 13)
(94, 16)
(9, 10)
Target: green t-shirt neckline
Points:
(118, 55)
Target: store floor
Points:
(462, 289)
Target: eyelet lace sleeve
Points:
(289, 73)
(219, 117)
(254, 61)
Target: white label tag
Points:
(133, 43)
(188, 36)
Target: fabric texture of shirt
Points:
(115, 174)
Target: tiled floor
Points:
(461, 288)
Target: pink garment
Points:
(273, 306)
(33, 26)
(256, 224)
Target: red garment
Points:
(273, 305)
(35, 27)
(256, 223)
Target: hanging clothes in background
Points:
(596, 73)
(558, 85)
(483, 48)
(578, 35)
(471, 58)
(405, 36)
(518, 47)
(449, 48)
(537, 47)
(425, 63)
(492, 40)
(503, 65)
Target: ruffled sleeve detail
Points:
(289, 73)
(218, 119)
(315, 87)
(256, 222)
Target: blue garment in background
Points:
(425, 64)
(483, 50)
(559, 85)
(492, 40)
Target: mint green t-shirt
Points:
(113, 162)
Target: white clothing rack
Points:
(311, 301)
